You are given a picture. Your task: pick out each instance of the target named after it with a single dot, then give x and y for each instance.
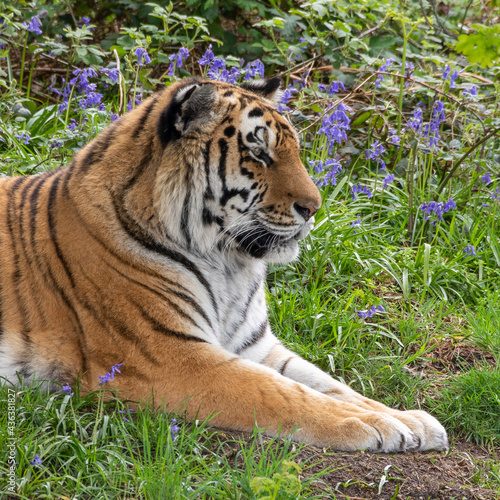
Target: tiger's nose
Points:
(306, 212)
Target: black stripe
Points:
(158, 327)
(255, 113)
(53, 230)
(94, 152)
(144, 117)
(46, 271)
(233, 329)
(12, 218)
(107, 317)
(284, 365)
(208, 195)
(137, 233)
(186, 207)
(175, 306)
(134, 265)
(254, 337)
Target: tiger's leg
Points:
(205, 379)
(429, 432)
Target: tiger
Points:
(150, 251)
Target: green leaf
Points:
(482, 47)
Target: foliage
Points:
(482, 47)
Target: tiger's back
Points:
(150, 250)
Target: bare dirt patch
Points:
(455, 475)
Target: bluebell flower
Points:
(375, 152)
(354, 224)
(36, 461)
(142, 56)
(385, 65)
(335, 125)
(495, 194)
(114, 116)
(285, 97)
(91, 100)
(112, 73)
(72, 124)
(254, 69)
(130, 104)
(67, 390)
(388, 179)
(174, 429)
(393, 137)
(486, 178)
(469, 250)
(370, 312)
(329, 169)
(437, 209)
(24, 137)
(359, 189)
(450, 75)
(207, 57)
(471, 92)
(333, 88)
(415, 123)
(126, 412)
(105, 379)
(56, 145)
(85, 21)
(35, 24)
(177, 60)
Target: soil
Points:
(454, 475)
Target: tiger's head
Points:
(231, 178)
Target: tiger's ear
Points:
(269, 88)
(190, 107)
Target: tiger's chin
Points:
(272, 248)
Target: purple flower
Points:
(23, 136)
(450, 75)
(370, 312)
(356, 223)
(36, 461)
(437, 209)
(375, 152)
(176, 60)
(127, 412)
(495, 194)
(388, 179)
(207, 56)
(35, 23)
(335, 125)
(469, 250)
(384, 67)
(55, 145)
(130, 105)
(113, 74)
(72, 124)
(67, 390)
(114, 116)
(333, 88)
(472, 92)
(174, 429)
(91, 100)
(486, 178)
(254, 69)
(393, 137)
(359, 189)
(142, 56)
(285, 97)
(415, 123)
(110, 375)
(329, 168)
(85, 21)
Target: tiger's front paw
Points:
(377, 432)
(429, 433)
